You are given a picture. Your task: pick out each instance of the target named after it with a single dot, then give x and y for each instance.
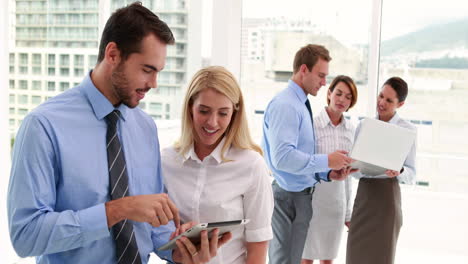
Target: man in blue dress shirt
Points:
(289, 146)
(59, 197)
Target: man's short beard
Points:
(120, 85)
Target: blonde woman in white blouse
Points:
(215, 172)
(331, 200)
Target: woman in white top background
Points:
(331, 200)
(377, 216)
(215, 172)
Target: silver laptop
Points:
(381, 146)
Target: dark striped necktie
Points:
(123, 233)
(307, 103)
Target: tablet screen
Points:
(194, 233)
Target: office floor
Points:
(434, 229)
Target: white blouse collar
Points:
(323, 120)
(215, 154)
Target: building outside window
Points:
(92, 60)
(155, 107)
(23, 58)
(78, 72)
(22, 99)
(64, 60)
(12, 58)
(79, 60)
(12, 98)
(23, 85)
(51, 86)
(36, 100)
(37, 70)
(36, 85)
(64, 86)
(36, 58)
(22, 111)
(23, 69)
(51, 59)
(64, 72)
(51, 71)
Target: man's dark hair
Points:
(309, 56)
(400, 87)
(128, 26)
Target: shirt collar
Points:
(297, 90)
(323, 120)
(215, 154)
(394, 120)
(100, 104)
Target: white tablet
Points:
(194, 233)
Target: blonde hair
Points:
(222, 81)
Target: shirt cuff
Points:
(166, 255)
(160, 235)
(93, 222)
(325, 176)
(259, 235)
(321, 161)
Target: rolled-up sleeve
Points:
(408, 176)
(258, 204)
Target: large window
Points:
(426, 43)
(430, 51)
(423, 42)
(271, 36)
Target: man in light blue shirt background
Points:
(289, 146)
(59, 206)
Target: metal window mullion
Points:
(374, 56)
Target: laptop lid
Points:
(380, 146)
